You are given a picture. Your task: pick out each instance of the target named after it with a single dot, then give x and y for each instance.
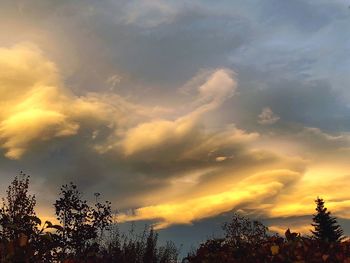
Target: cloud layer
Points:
(205, 171)
(261, 187)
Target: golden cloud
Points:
(252, 190)
(37, 107)
(32, 100)
(160, 133)
(303, 228)
(147, 136)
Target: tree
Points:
(150, 255)
(242, 230)
(168, 253)
(326, 226)
(81, 223)
(18, 221)
(138, 248)
(17, 215)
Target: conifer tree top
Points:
(326, 227)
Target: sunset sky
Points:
(180, 111)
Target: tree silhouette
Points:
(79, 236)
(19, 224)
(17, 215)
(243, 230)
(81, 223)
(143, 248)
(150, 255)
(326, 226)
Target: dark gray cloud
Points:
(308, 102)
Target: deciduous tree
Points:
(81, 223)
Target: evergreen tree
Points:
(326, 226)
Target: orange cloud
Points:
(252, 190)
(32, 100)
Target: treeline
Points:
(249, 241)
(88, 233)
(85, 233)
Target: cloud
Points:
(298, 187)
(21, 129)
(220, 86)
(37, 107)
(155, 134)
(113, 81)
(137, 137)
(267, 117)
(32, 101)
(295, 224)
(149, 14)
(155, 146)
(260, 186)
(221, 158)
(165, 134)
(35, 100)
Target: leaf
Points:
(23, 240)
(274, 250)
(48, 223)
(35, 219)
(47, 236)
(11, 226)
(57, 227)
(11, 248)
(325, 257)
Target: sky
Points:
(180, 111)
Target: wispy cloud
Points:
(267, 117)
(253, 190)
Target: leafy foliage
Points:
(274, 249)
(247, 241)
(17, 214)
(19, 232)
(241, 231)
(142, 248)
(80, 222)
